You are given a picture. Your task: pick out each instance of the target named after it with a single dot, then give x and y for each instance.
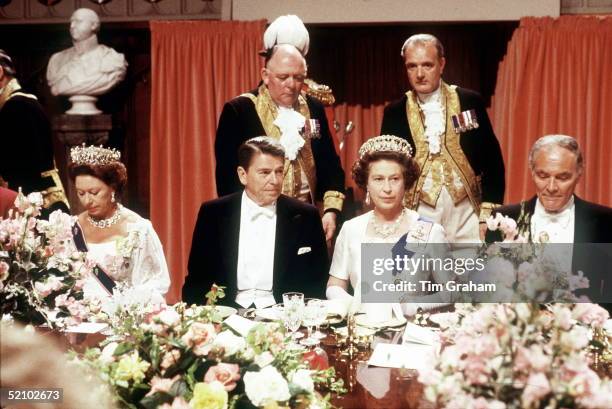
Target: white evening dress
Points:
(346, 262)
(135, 261)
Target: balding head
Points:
(284, 74)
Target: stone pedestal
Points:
(74, 130)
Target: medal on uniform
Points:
(312, 129)
(543, 237)
(465, 121)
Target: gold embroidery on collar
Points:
(451, 156)
(267, 112)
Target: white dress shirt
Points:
(256, 254)
(555, 227)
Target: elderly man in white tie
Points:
(557, 215)
(257, 242)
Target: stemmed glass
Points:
(292, 312)
(320, 318)
(311, 313)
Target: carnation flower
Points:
(131, 368)
(265, 386)
(209, 396)
(229, 342)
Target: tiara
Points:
(386, 143)
(94, 155)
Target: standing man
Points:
(25, 136)
(278, 108)
(462, 169)
(257, 242)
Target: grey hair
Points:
(562, 141)
(424, 39)
(7, 64)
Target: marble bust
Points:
(87, 69)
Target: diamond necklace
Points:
(387, 229)
(106, 223)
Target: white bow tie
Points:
(266, 211)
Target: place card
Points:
(87, 327)
(420, 335)
(411, 356)
(239, 324)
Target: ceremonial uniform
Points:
(25, 131)
(253, 114)
(462, 169)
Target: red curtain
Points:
(555, 79)
(195, 67)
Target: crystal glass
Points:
(309, 319)
(293, 297)
(291, 316)
(321, 317)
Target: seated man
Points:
(257, 243)
(557, 215)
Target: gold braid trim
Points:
(450, 149)
(267, 111)
(486, 208)
(333, 200)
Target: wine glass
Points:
(309, 319)
(321, 317)
(291, 316)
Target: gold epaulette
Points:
(321, 92)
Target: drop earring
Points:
(113, 197)
(367, 198)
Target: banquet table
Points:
(367, 386)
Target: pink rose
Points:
(170, 358)
(537, 387)
(4, 270)
(161, 384)
(508, 227)
(227, 374)
(200, 337)
(590, 314)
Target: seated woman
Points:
(122, 244)
(385, 170)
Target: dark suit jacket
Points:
(239, 122)
(214, 250)
(26, 144)
(479, 145)
(593, 224)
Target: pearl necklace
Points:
(106, 223)
(387, 229)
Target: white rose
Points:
(169, 317)
(576, 339)
(264, 359)
(265, 386)
(107, 353)
(229, 342)
(302, 380)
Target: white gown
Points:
(136, 260)
(346, 262)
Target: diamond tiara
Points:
(94, 155)
(386, 143)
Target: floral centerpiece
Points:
(41, 274)
(507, 356)
(185, 357)
(527, 271)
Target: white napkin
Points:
(410, 356)
(239, 324)
(419, 335)
(87, 327)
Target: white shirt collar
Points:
(254, 210)
(434, 96)
(555, 217)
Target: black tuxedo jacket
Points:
(214, 250)
(479, 145)
(239, 122)
(592, 224)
